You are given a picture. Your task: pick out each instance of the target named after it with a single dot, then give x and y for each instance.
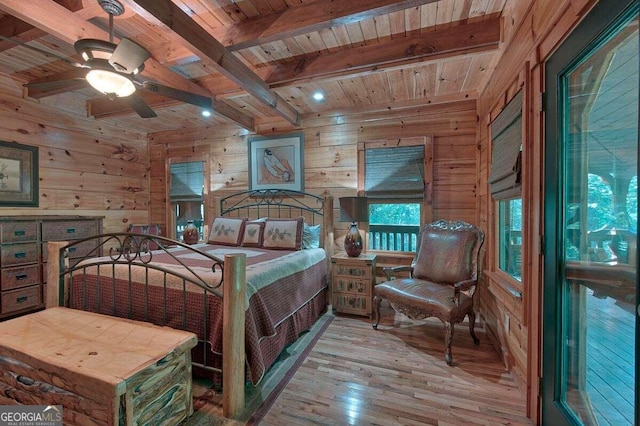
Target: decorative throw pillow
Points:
(253, 234)
(284, 234)
(227, 231)
(310, 236)
(153, 229)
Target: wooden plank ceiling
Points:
(260, 59)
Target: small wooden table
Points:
(353, 279)
(101, 369)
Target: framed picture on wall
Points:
(18, 175)
(276, 162)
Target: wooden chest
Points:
(102, 370)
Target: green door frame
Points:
(601, 18)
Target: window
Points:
(510, 237)
(505, 184)
(394, 226)
(394, 185)
(186, 195)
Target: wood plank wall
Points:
(330, 155)
(531, 30)
(87, 167)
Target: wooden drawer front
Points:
(351, 285)
(352, 270)
(17, 300)
(21, 276)
(17, 232)
(351, 303)
(68, 230)
(79, 250)
(19, 254)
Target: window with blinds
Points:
(394, 186)
(186, 196)
(394, 172)
(506, 154)
(187, 181)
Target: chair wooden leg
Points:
(472, 324)
(376, 311)
(448, 338)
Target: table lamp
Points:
(353, 209)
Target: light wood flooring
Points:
(397, 376)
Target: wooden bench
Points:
(102, 370)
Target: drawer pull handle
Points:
(20, 255)
(71, 230)
(26, 380)
(21, 299)
(21, 277)
(72, 249)
(19, 233)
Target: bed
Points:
(249, 288)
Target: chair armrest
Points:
(462, 286)
(391, 271)
(465, 285)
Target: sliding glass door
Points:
(590, 323)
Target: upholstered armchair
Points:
(442, 279)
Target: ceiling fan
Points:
(112, 69)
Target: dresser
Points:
(352, 281)
(23, 256)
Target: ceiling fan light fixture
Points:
(111, 83)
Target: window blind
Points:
(394, 172)
(506, 154)
(187, 181)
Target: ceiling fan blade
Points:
(140, 106)
(43, 51)
(181, 95)
(58, 84)
(128, 56)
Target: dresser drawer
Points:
(18, 254)
(20, 276)
(68, 230)
(352, 303)
(352, 270)
(351, 285)
(18, 232)
(78, 250)
(23, 298)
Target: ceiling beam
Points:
(212, 51)
(305, 18)
(456, 41)
(67, 26)
(17, 29)
(105, 108)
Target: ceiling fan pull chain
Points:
(110, 28)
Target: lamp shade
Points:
(354, 209)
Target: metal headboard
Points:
(277, 203)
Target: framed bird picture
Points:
(276, 162)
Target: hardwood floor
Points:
(397, 376)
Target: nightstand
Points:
(352, 281)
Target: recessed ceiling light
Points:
(318, 96)
(206, 113)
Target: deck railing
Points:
(393, 237)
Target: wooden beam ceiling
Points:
(212, 51)
(67, 26)
(457, 41)
(305, 18)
